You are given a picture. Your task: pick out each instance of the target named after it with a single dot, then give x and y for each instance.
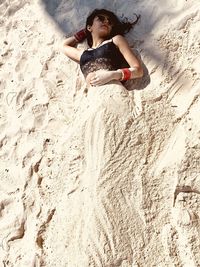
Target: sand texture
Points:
(101, 177)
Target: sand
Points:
(100, 179)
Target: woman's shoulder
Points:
(119, 40)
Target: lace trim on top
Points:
(97, 64)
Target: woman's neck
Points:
(97, 42)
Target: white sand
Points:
(105, 178)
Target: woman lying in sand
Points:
(102, 138)
(103, 61)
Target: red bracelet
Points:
(80, 35)
(126, 74)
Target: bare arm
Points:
(135, 66)
(70, 50)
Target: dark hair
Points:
(119, 26)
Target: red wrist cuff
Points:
(80, 35)
(126, 74)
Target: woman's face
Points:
(102, 25)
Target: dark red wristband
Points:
(80, 35)
(126, 74)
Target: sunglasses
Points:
(102, 19)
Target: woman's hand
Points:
(101, 77)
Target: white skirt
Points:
(100, 218)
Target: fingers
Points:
(95, 81)
(99, 78)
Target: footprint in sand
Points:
(181, 237)
(21, 64)
(41, 115)
(11, 220)
(10, 97)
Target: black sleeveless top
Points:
(107, 56)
